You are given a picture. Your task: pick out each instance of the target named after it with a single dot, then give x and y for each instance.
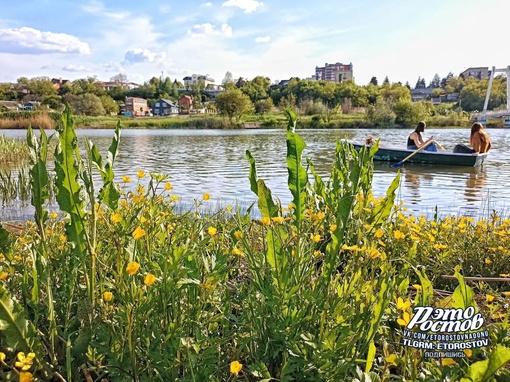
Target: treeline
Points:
(384, 105)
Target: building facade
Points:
(136, 106)
(480, 72)
(334, 72)
(195, 79)
(165, 107)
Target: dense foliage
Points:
(117, 286)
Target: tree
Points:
(436, 81)
(373, 81)
(420, 84)
(87, 104)
(408, 113)
(386, 80)
(52, 101)
(381, 113)
(110, 106)
(264, 106)
(122, 78)
(228, 81)
(257, 88)
(233, 103)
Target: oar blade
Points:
(398, 164)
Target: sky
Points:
(399, 39)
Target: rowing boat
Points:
(391, 153)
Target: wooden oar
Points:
(399, 164)
(438, 145)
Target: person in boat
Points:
(479, 139)
(415, 140)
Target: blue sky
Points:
(279, 39)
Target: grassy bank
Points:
(117, 286)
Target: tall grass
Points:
(12, 150)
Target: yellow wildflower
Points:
(440, 246)
(403, 305)
(26, 376)
(22, 240)
(238, 235)
(54, 215)
(488, 261)
(265, 221)
(126, 179)
(150, 279)
(278, 220)
(379, 233)
(168, 186)
(3, 276)
(489, 298)
(398, 235)
(332, 228)
(448, 362)
(374, 253)
(317, 253)
(140, 174)
(236, 251)
(206, 196)
(404, 320)
(63, 239)
(107, 296)
(417, 286)
(24, 362)
(321, 215)
(123, 203)
(116, 218)
(2, 357)
(504, 275)
(138, 233)
(212, 231)
(132, 268)
(315, 238)
(174, 198)
(228, 208)
(142, 220)
(235, 367)
(468, 352)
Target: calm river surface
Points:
(214, 161)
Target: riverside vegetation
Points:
(117, 286)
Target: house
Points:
(59, 82)
(109, 85)
(10, 106)
(421, 94)
(136, 106)
(478, 72)
(31, 105)
(185, 104)
(165, 107)
(197, 78)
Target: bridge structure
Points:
(485, 114)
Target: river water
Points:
(214, 161)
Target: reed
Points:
(12, 150)
(23, 120)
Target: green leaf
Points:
(370, 356)
(424, 296)
(39, 180)
(69, 190)
(253, 173)
(482, 371)
(17, 332)
(463, 295)
(298, 177)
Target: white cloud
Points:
(32, 41)
(206, 5)
(75, 68)
(263, 39)
(135, 56)
(207, 29)
(247, 6)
